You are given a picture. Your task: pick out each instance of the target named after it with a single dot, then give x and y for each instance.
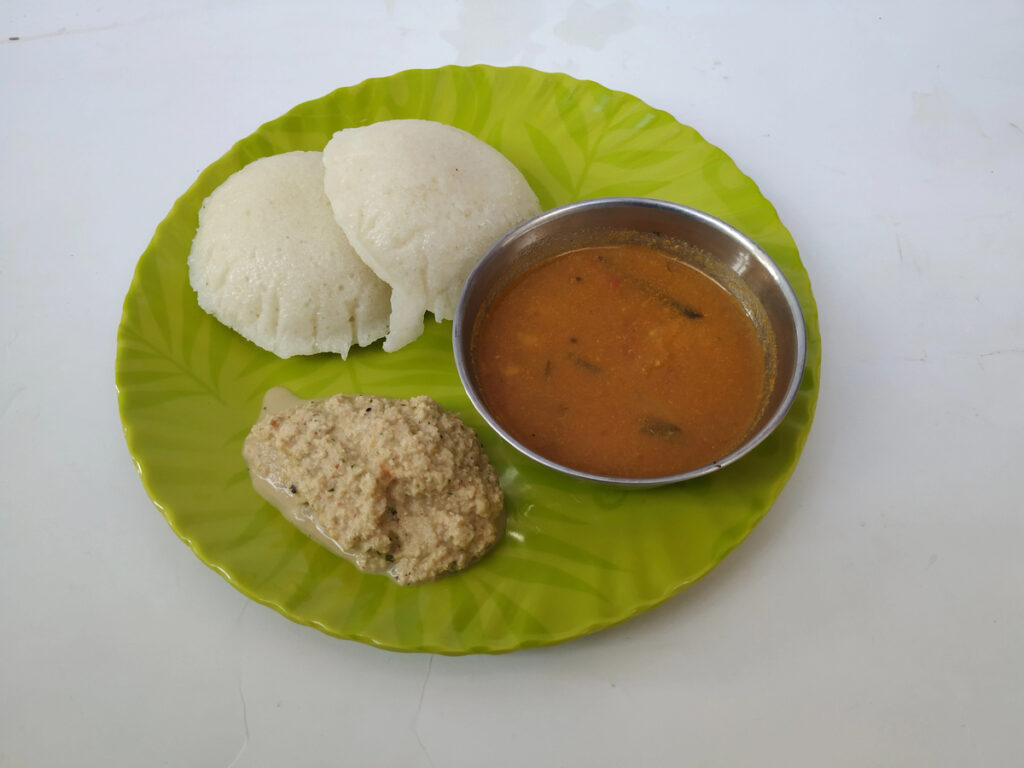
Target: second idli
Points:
(421, 202)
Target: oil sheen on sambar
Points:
(621, 361)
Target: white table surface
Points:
(874, 617)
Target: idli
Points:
(421, 202)
(269, 261)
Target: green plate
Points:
(577, 557)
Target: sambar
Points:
(621, 360)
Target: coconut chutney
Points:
(401, 487)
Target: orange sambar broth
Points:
(621, 361)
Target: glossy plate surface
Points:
(577, 557)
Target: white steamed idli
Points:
(269, 261)
(422, 202)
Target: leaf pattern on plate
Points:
(577, 557)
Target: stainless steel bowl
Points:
(718, 249)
